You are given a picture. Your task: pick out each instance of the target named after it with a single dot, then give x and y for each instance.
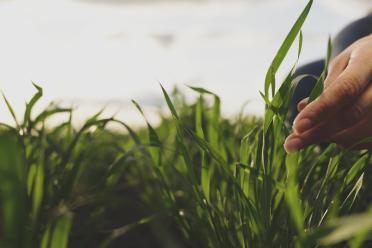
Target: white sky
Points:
(95, 54)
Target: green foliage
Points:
(283, 50)
(318, 88)
(195, 180)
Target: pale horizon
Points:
(94, 55)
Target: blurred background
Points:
(96, 53)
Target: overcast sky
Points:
(106, 54)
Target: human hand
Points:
(343, 112)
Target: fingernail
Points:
(292, 145)
(303, 125)
(302, 105)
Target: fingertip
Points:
(302, 125)
(292, 144)
(302, 104)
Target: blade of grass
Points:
(61, 232)
(283, 50)
(319, 86)
(13, 192)
(30, 105)
(10, 108)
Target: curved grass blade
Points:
(169, 103)
(30, 105)
(341, 229)
(283, 50)
(319, 86)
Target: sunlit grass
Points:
(195, 180)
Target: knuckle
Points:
(350, 88)
(335, 64)
(353, 115)
(322, 106)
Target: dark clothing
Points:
(352, 32)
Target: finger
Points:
(352, 115)
(336, 67)
(358, 110)
(302, 104)
(292, 143)
(347, 87)
(351, 136)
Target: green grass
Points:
(195, 180)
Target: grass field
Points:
(195, 180)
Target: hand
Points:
(343, 112)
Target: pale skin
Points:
(342, 114)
